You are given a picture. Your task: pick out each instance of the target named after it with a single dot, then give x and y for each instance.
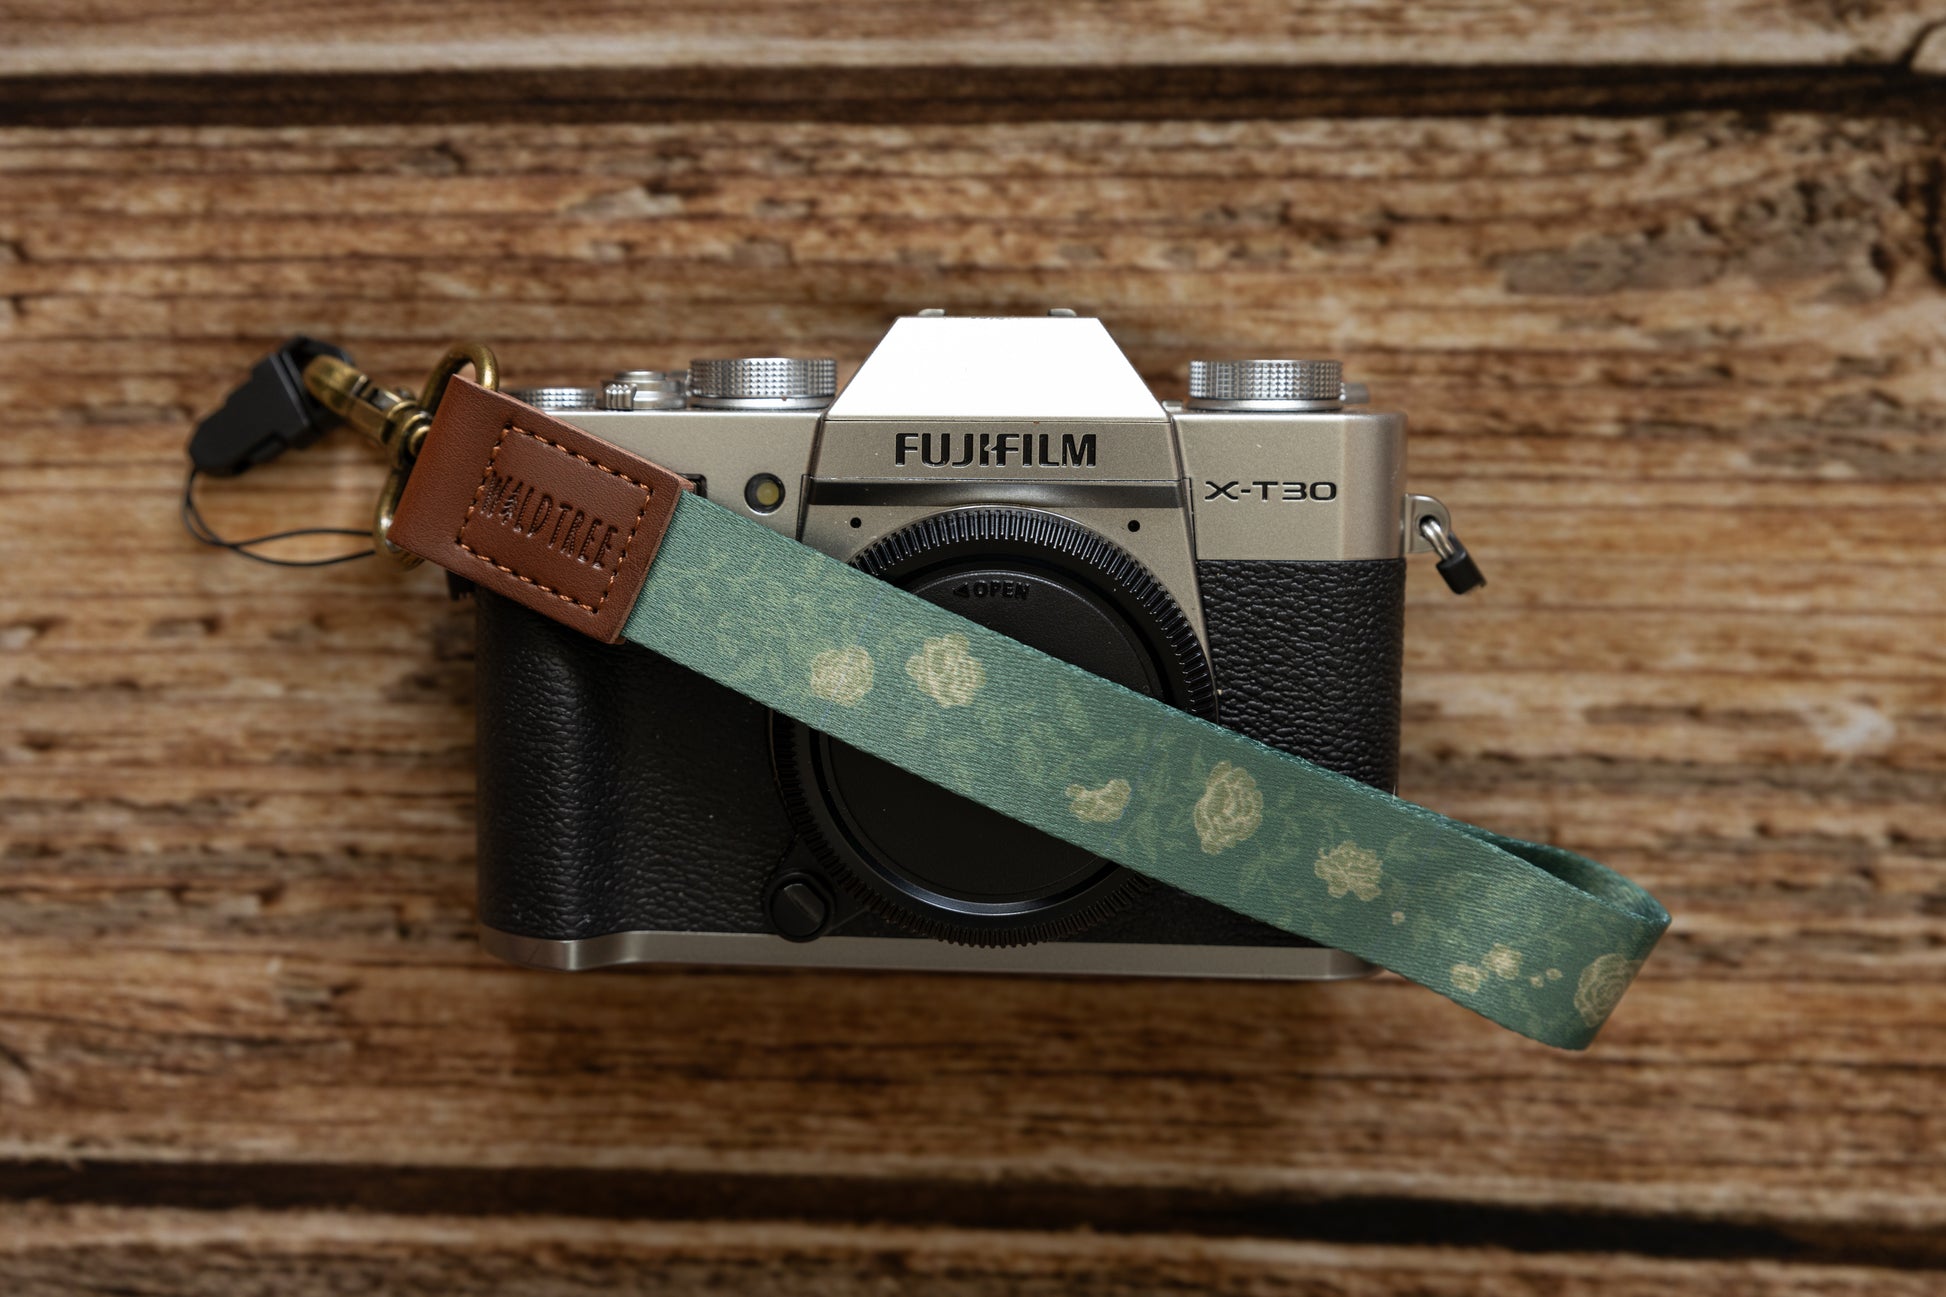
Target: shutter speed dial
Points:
(762, 383)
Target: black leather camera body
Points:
(1240, 555)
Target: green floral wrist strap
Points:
(1533, 937)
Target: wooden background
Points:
(1663, 289)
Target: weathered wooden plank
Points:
(1617, 299)
(44, 1252)
(1689, 1109)
(50, 38)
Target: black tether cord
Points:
(196, 525)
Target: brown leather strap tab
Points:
(535, 509)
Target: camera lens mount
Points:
(934, 862)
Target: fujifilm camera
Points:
(1240, 555)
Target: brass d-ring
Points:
(389, 496)
(486, 370)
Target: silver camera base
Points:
(920, 955)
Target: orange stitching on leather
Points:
(485, 475)
(621, 558)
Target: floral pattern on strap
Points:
(842, 676)
(1349, 868)
(1230, 810)
(1601, 985)
(1103, 805)
(947, 672)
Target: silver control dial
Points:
(557, 398)
(762, 383)
(1267, 385)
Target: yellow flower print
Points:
(1601, 987)
(1102, 805)
(842, 676)
(1503, 962)
(1467, 978)
(1348, 867)
(1230, 809)
(946, 672)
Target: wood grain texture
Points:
(46, 1252)
(1679, 378)
(51, 37)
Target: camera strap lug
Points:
(1428, 528)
(1455, 564)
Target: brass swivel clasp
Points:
(395, 421)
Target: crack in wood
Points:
(1932, 198)
(940, 95)
(1016, 1205)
